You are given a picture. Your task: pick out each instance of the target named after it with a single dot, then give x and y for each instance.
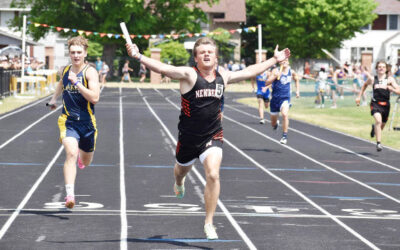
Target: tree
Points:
(306, 26)
(172, 52)
(141, 17)
(225, 49)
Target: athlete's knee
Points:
(212, 176)
(71, 154)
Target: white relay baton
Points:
(126, 33)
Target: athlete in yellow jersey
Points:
(79, 86)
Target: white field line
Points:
(122, 188)
(326, 142)
(21, 109)
(29, 194)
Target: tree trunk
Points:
(109, 56)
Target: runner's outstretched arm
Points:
(177, 73)
(256, 69)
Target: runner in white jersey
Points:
(201, 90)
(281, 91)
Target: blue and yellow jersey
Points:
(75, 106)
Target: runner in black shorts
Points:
(382, 85)
(200, 130)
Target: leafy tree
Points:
(173, 52)
(95, 49)
(141, 17)
(225, 49)
(306, 26)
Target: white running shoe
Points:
(276, 126)
(283, 140)
(379, 147)
(262, 121)
(210, 232)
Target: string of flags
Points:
(117, 36)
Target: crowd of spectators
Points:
(14, 63)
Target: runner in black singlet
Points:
(382, 85)
(200, 130)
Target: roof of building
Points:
(388, 7)
(7, 37)
(234, 10)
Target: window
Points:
(219, 15)
(380, 23)
(366, 27)
(393, 22)
(356, 53)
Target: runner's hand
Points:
(133, 50)
(358, 101)
(281, 55)
(51, 105)
(72, 77)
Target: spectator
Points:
(125, 72)
(235, 66)
(230, 63)
(99, 64)
(242, 64)
(103, 73)
(142, 72)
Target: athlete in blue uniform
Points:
(262, 95)
(200, 128)
(79, 86)
(281, 91)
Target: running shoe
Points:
(276, 126)
(180, 190)
(69, 201)
(379, 147)
(80, 163)
(372, 134)
(262, 121)
(283, 140)
(210, 232)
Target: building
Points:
(226, 14)
(52, 49)
(378, 41)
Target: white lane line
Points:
(335, 219)
(41, 238)
(353, 232)
(314, 160)
(326, 142)
(27, 128)
(21, 109)
(220, 204)
(29, 194)
(103, 212)
(124, 222)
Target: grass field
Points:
(347, 118)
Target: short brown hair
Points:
(204, 40)
(386, 65)
(78, 40)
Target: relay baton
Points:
(126, 33)
(50, 105)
